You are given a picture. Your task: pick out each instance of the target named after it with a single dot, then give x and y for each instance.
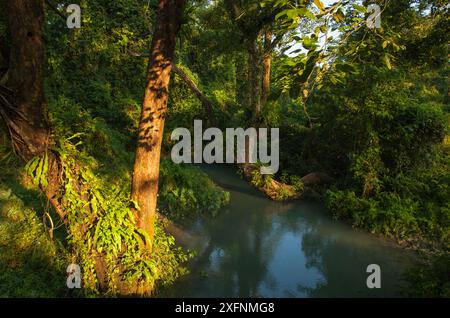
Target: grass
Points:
(31, 263)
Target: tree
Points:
(23, 109)
(267, 62)
(24, 106)
(22, 100)
(144, 189)
(68, 185)
(253, 20)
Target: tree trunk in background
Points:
(254, 78)
(144, 188)
(23, 105)
(267, 62)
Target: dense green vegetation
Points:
(370, 112)
(95, 122)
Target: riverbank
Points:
(256, 247)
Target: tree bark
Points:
(144, 188)
(254, 78)
(267, 62)
(4, 60)
(23, 106)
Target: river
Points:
(259, 248)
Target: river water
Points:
(259, 248)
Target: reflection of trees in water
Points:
(243, 238)
(343, 265)
(343, 268)
(246, 242)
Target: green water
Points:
(260, 248)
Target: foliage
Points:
(378, 129)
(430, 278)
(107, 229)
(369, 107)
(32, 264)
(379, 124)
(295, 181)
(188, 192)
(257, 179)
(390, 153)
(94, 122)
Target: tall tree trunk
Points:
(144, 188)
(267, 62)
(24, 108)
(254, 78)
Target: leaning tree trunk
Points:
(144, 188)
(207, 104)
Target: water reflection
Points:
(260, 248)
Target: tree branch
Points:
(207, 104)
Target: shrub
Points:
(188, 192)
